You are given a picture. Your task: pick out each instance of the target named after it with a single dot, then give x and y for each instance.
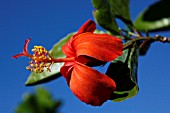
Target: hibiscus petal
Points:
(68, 50)
(89, 61)
(91, 86)
(89, 26)
(103, 47)
(66, 70)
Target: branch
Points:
(152, 39)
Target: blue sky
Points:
(47, 22)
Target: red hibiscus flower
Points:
(84, 49)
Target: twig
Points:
(155, 38)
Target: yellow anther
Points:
(28, 68)
(40, 60)
(35, 61)
(31, 65)
(40, 57)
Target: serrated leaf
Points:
(39, 102)
(56, 52)
(106, 12)
(123, 71)
(154, 18)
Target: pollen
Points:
(40, 60)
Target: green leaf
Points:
(154, 18)
(39, 102)
(104, 17)
(106, 12)
(123, 71)
(120, 8)
(56, 52)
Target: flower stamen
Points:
(40, 60)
